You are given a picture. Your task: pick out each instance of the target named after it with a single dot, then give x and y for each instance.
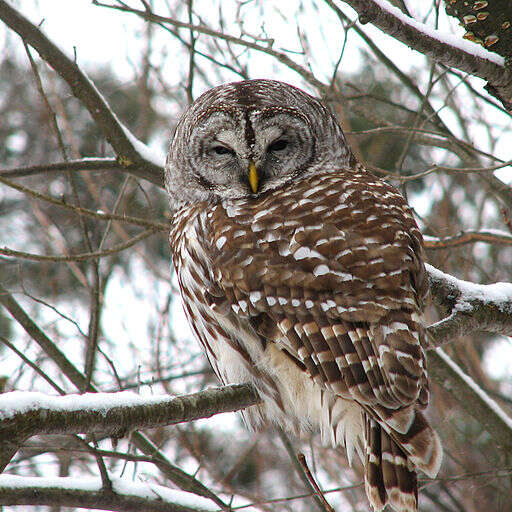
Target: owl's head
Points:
(242, 139)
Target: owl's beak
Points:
(253, 177)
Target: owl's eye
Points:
(278, 145)
(222, 150)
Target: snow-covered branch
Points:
(132, 155)
(125, 495)
(443, 48)
(28, 413)
(470, 307)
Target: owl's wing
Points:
(337, 285)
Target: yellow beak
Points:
(253, 177)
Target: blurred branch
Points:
(467, 237)
(85, 164)
(126, 495)
(501, 189)
(471, 398)
(440, 47)
(292, 453)
(129, 150)
(79, 257)
(84, 211)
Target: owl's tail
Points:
(391, 461)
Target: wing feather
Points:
(339, 284)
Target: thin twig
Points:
(302, 459)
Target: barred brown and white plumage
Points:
(303, 274)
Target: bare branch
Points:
(84, 211)
(126, 146)
(84, 164)
(279, 56)
(78, 257)
(467, 237)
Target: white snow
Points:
(121, 486)
(18, 402)
(499, 294)
(152, 155)
(449, 39)
(477, 389)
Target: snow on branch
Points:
(24, 414)
(443, 48)
(123, 494)
(470, 307)
(29, 413)
(132, 155)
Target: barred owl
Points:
(303, 274)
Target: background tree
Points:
(86, 288)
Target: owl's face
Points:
(243, 139)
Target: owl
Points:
(303, 274)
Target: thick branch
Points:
(470, 307)
(454, 294)
(145, 445)
(26, 414)
(125, 495)
(443, 48)
(132, 154)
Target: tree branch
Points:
(83, 164)
(79, 257)
(470, 307)
(473, 307)
(25, 414)
(126, 495)
(443, 48)
(134, 156)
(9, 447)
(467, 237)
(137, 221)
(472, 399)
(279, 56)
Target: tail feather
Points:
(391, 461)
(388, 478)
